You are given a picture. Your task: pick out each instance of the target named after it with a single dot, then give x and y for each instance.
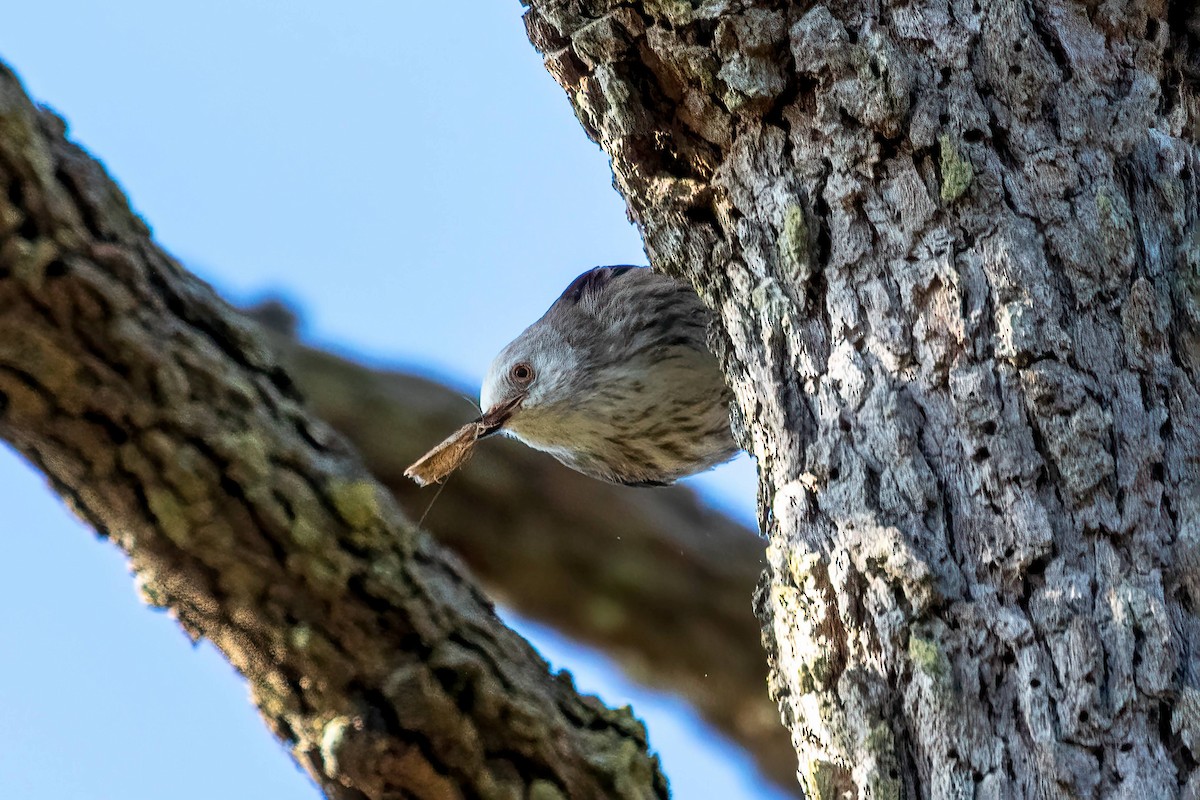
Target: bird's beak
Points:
(494, 418)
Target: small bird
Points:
(616, 381)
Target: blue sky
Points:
(410, 177)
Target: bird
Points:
(616, 381)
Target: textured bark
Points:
(165, 422)
(953, 249)
(651, 577)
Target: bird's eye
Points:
(522, 373)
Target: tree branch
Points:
(652, 577)
(165, 422)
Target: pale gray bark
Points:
(953, 249)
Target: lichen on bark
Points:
(976, 414)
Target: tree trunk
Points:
(953, 250)
(168, 425)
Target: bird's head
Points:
(530, 382)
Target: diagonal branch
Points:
(651, 577)
(167, 424)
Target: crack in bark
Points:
(1046, 239)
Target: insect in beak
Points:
(494, 418)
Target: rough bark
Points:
(161, 417)
(651, 577)
(953, 249)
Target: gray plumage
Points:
(616, 381)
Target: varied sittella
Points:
(616, 381)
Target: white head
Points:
(533, 380)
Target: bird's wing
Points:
(588, 288)
(605, 292)
(625, 302)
